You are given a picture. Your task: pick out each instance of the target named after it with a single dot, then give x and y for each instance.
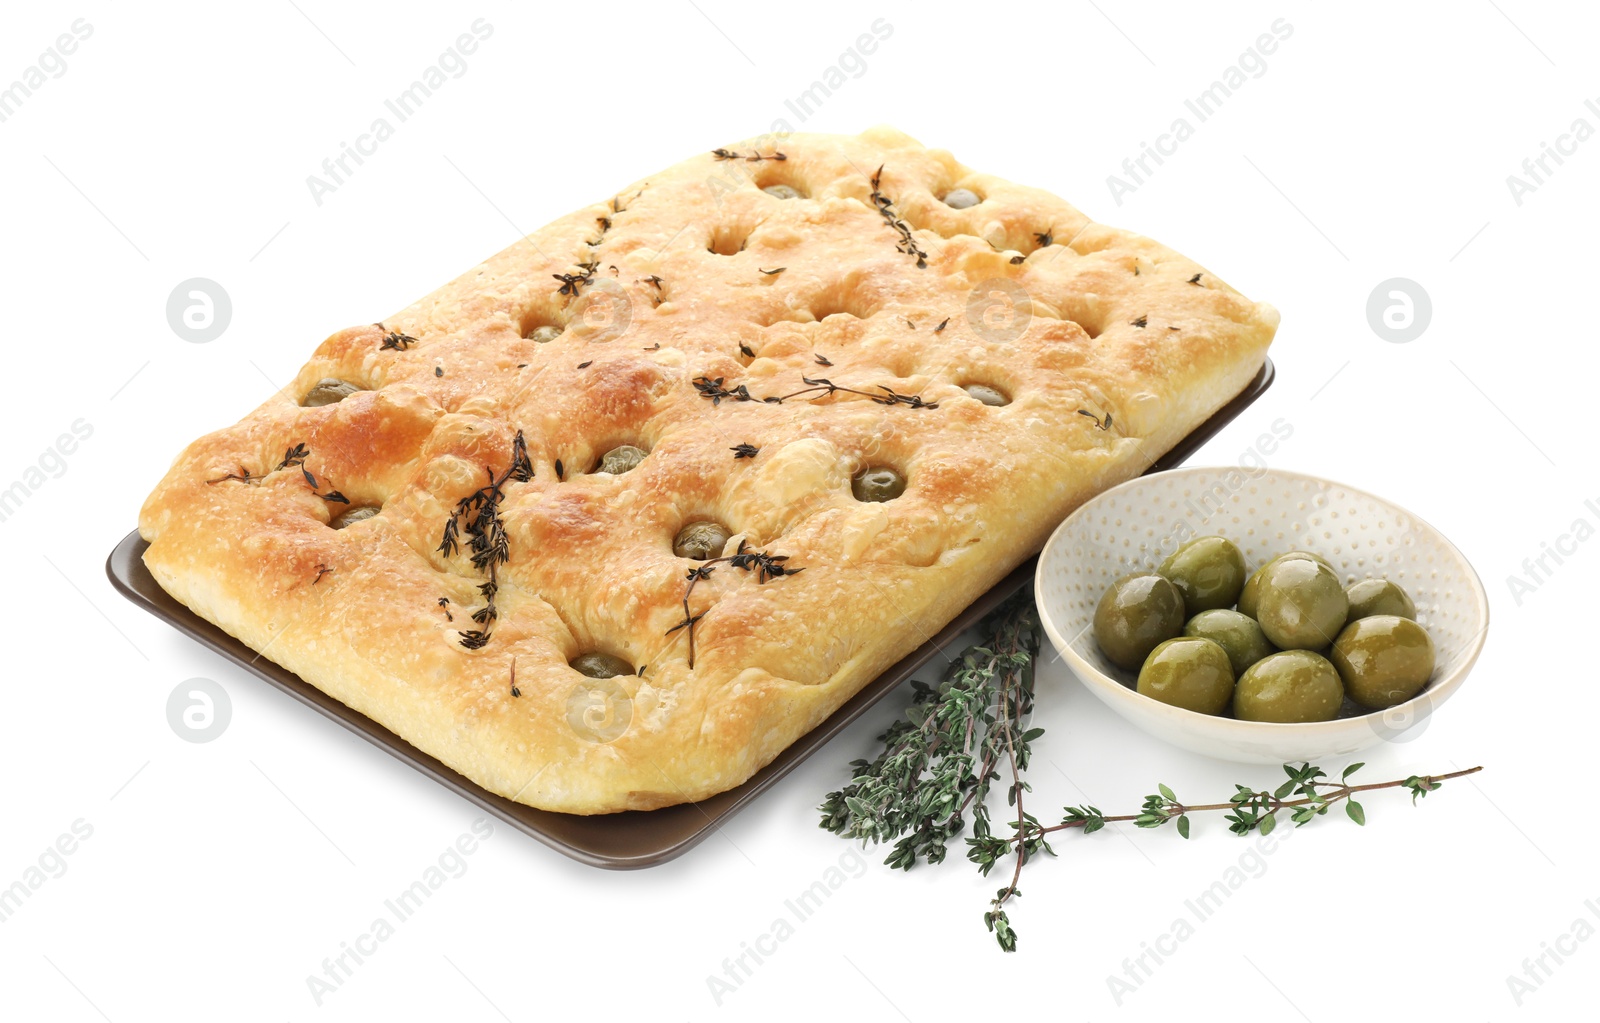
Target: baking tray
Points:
(636, 838)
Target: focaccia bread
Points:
(888, 316)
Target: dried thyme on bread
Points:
(478, 516)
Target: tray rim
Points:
(129, 577)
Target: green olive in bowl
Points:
(1383, 660)
(1300, 604)
(1209, 571)
(1252, 585)
(1379, 597)
(1238, 635)
(1191, 673)
(1290, 687)
(1137, 614)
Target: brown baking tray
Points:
(636, 838)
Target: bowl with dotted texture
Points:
(1132, 528)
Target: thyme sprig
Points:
(293, 458)
(885, 208)
(713, 388)
(394, 340)
(296, 455)
(939, 762)
(1106, 425)
(572, 284)
(656, 280)
(752, 157)
(765, 566)
(478, 516)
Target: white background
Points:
(1376, 144)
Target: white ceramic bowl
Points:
(1133, 527)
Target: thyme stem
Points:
(766, 566)
(1427, 781)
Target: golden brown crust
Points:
(1117, 326)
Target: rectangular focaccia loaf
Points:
(422, 524)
